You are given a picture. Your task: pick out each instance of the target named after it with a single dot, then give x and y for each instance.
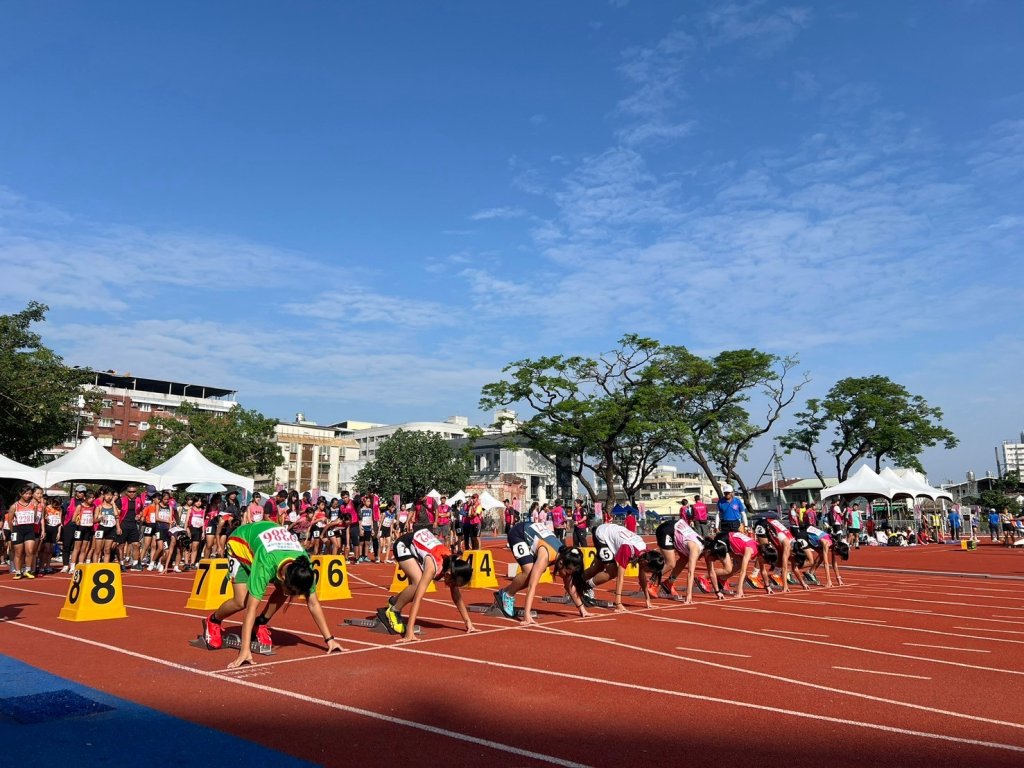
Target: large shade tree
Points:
(867, 417)
(410, 463)
(41, 399)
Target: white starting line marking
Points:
(947, 648)
(876, 672)
(717, 653)
(989, 629)
(789, 632)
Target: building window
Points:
(108, 403)
(108, 423)
(143, 426)
(117, 422)
(145, 407)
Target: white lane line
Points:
(990, 629)
(716, 653)
(782, 679)
(444, 732)
(994, 619)
(949, 648)
(790, 632)
(877, 672)
(1007, 619)
(833, 644)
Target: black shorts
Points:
(854, 531)
(665, 535)
(731, 526)
(472, 530)
(50, 537)
(520, 549)
(105, 533)
(560, 533)
(129, 535)
(403, 549)
(162, 532)
(23, 533)
(211, 528)
(367, 534)
(147, 530)
(316, 532)
(605, 556)
(83, 533)
(385, 531)
(196, 534)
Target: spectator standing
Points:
(731, 511)
(630, 524)
(558, 520)
(579, 524)
(684, 510)
(699, 517)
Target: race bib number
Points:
(814, 531)
(25, 516)
(53, 520)
(280, 540)
(760, 530)
(743, 537)
(401, 551)
(367, 518)
(520, 549)
(604, 554)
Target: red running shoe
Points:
(212, 634)
(263, 635)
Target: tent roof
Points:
(914, 484)
(91, 461)
(190, 466)
(864, 482)
(13, 469)
(489, 502)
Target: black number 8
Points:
(76, 588)
(103, 587)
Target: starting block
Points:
(494, 610)
(375, 625)
(968, 545)
(234, 641)
(482, 563)
(588, 602)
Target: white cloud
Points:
(504, 212)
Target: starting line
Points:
(375, 625)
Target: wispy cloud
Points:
(764, 29)
(505, 212)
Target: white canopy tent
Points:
(489, 502)
(433, 493)
(460, 496)
(864, 482)
(9, 468)
(914, 484)
(91, 461)
(190, 466)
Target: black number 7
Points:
(205, 569)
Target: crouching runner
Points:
(424, 558)
(261, 555)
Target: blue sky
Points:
(365, 210)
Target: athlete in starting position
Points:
(535, 547)
(262, 555)
(617, 549)
(681, 546)
(424, 558)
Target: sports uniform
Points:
(774, 530)
(616, 544)
(422, 545)
(24, 528)
(106, 530)
(678, 535)
(256, 553)
(527, 539)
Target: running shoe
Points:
(17, 575)
(669, 590)
(652, 589)
(507, 603)
(588, 598)
(212, 634)
(263, 635)
(391, 619)
(29, 575)
(65, 569)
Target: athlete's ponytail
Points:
(569, 561)
(655, 562)
(460, 570)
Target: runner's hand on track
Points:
(333, 645)
(244, 657)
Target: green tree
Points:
(240, 440)
(710, 396)
(599, 415)
(411, 463)
(40, 397)
(869, 416)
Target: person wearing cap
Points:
(731, 512)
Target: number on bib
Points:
(520, 549)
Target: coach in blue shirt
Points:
(731, 512)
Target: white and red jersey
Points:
(624, 544)
(86, 516)
(24, 514)
(423, 544)
(740, 543)
(774, 530)
(684, 536)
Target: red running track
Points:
(895, 669)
